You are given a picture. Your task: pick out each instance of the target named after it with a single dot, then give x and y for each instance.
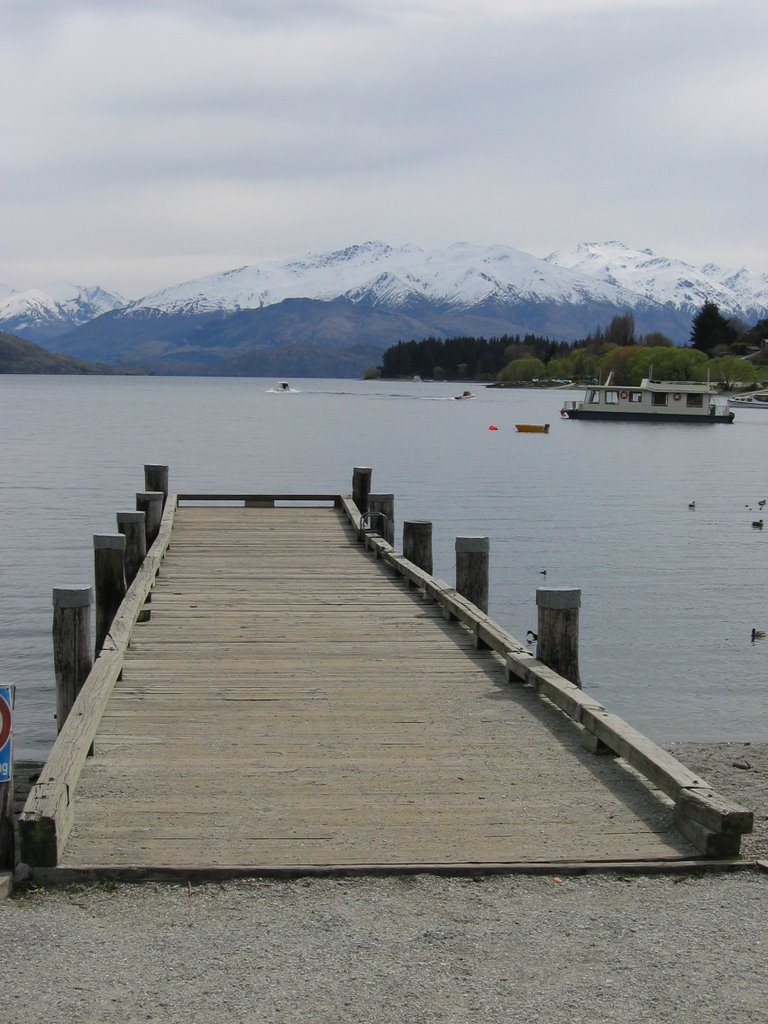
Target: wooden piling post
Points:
(134, 526)
(383, 504)
(156, 479)
(109, 573)
(558, 630)
(417, 543)
(72, 647)
(472, 569)
(151, 504)
(7, 845)
(361, 487)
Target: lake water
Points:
(669, 595)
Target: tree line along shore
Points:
(727, 352)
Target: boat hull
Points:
(532, 428)
(647, 417)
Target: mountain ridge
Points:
(465, 275)
(41, 314)
(367, 297)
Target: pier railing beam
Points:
(134, 527)
(151, 504)
(472, 569)
(384, 504)
(156, 479)
(109, 574)
(417, 543)
(361, 487)
(558, 630)
(72, 646)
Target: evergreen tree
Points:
(621, 330)
(710, 329)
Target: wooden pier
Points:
(297, 697)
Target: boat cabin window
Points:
(611, 397)
(659, 398)
(694, 401)
(594, 397)
(635, 396)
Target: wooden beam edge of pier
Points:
(48, 815)
(180, 874)
(713, 824)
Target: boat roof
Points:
(650, 384)
(677, 385)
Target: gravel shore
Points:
(686, 948)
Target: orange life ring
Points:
(623, 394)
(676, 396)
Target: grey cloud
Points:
(483, 128)
(44, 13)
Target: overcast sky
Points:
(146, 142)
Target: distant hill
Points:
(20, 356)
(295, 337)
(335, 313)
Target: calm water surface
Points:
(669, 595)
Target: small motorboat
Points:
(756, 400)
(532, 428)
(283, 387)
(465, 394)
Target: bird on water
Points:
(757, 634)
(692, 504)
(758, 524)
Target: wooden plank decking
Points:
(293, 705)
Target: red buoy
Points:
(493, 427)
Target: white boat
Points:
(283, 386)
(465, 394)
(657, 401)
(754, 400)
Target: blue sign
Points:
(6, 717)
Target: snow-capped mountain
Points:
(462, 276)
(465, 276)
(42, 314)
(332, 314)
(663, 280)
